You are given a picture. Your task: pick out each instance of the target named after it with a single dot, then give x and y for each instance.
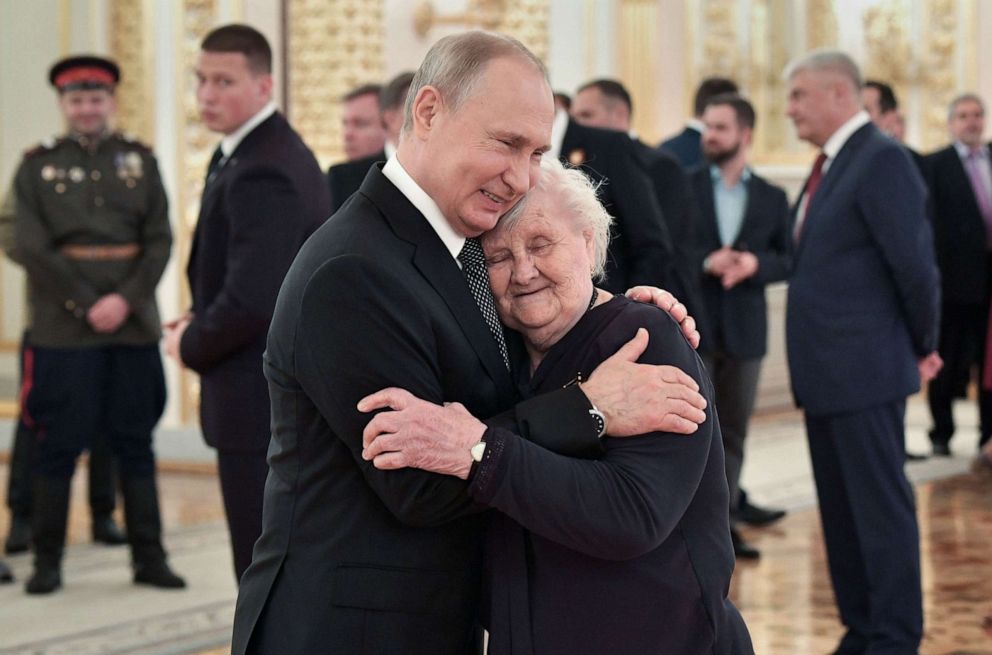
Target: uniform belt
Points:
(115, 252)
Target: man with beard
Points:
(741, 245)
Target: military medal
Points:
(577, 157)
(77, 174)
(48, 173)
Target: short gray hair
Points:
(833, 61)
(455, 64)
(577, 199)
(964, 97)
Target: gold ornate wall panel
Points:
(527, 21)
(332, 47)
(194, 146)
(130, 43)
(637, 61)
(924, 48)
(821, 24)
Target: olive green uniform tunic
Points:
(77, 191)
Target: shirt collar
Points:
(844, 132)
(964, 151)
(716, 176)
(230, 142)
(395, 173)
(558, 129)
(695, 124)
(389, 149)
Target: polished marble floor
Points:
(785, 597)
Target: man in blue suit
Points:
(861, 327)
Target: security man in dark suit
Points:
(641, 247)
(90, 227)
(264, 195)
(960, 181)
(741, 245)
(345, 178)
(861, 334)
(686, 146)
(606, 104)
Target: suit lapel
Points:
(433, 260)
(708, 209)
(747, 221)
(830, 179)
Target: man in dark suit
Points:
(345, 178)
(686, 146)
(394, 292)
(861, 326)
(741, 245)
(960, 180)
(641, 247)
(264, 195)
(880, 102)
(607, 104)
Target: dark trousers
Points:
(102, 474)
(869, 525)
(963, 329)
(242, 484)
(117, 391)
(735, 382)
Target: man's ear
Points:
(426, 107)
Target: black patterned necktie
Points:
(214, 165)
(477, 275)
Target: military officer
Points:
(88, 221)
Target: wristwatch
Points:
(599, 419)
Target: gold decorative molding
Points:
(925, 48)
(481, 14)
(527, 21)
(637, 61)
(332, 47)
(194, 145)
(942, 75)
(821, 24)
(130, 41)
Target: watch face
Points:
(478, 450)
(599, 420)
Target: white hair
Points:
(833, 61)
(455, 64)
(576, 198)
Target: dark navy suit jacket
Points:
(345, 178)
(641, 250)
(864, 298)
(686, 146)
(736, 319)
(959, 230)
(256, 212)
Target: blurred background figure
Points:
(686, 146)
(741, 245)
(91, 360)
(960, 182)
(364, 134)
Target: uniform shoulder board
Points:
(47, 145)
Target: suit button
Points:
(70, 305)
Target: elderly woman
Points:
(628, 551)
